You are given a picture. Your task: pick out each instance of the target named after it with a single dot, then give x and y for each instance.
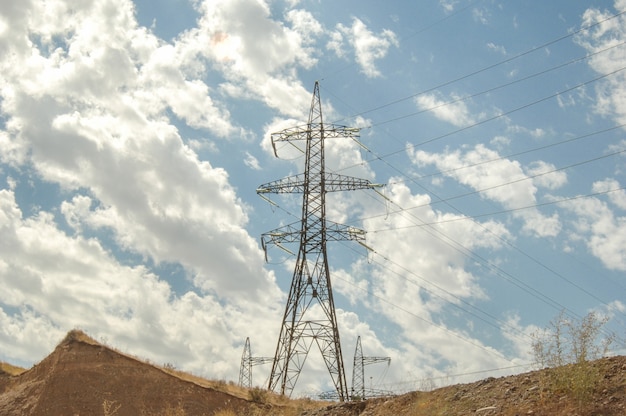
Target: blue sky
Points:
(133, 136)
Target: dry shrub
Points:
(258, 395)
(566, 348)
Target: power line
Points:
(427, 27)
(500, 115)
(534, 103)
(430, 322)
(528, 177)
(446, 201)
(500, 272)
(503, 325)
(512, 155)
(455, 80)
(508, 84)
(448, 376)
(382, 158)
(490, 214)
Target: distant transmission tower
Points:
(310, 311)
(247, 362)
(359, 392)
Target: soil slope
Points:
(82, 377)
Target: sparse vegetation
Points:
(566, 347)
(10, 369)
(258, 395)
(110, 407)
(178, 410)
(225, 412)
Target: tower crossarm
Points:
(332, 182)
(374, 360)
(260, 360)
(303, 131)
(292, 233)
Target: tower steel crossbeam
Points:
(309, 316)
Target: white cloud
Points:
(519, 335)
(601, 228)
(448, 5)
(496, 48)
(439, 252)
(256, 54)
(481, 15)
(59, 282)
(86, 108)
(335, 44)
(368, 47)
(616, 195)
(611, 93)
(252, 162)
(545, 175)
(454, 111)
(497, 179)
(78, 123)
(304, 24)
(418, 274)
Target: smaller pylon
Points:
(247, 361)
(359, 392)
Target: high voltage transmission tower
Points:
(358, 374)
(310, 311)
(247, 362)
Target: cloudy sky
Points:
(133, 136)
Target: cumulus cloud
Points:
(82, 123)
(611, 92)
(454, 111)
(497, 179)
(545, 175)
(616, 193)
(368, 46)
(602, 229)
(255, 53)
(415, 282)
(86, 96)
(58, 282)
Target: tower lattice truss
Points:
(309, 316)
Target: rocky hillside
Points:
(83, 377)
(524, 394)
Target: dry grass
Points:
(226, 412)
(282, 405)
(110, 407)
(80, 336)
(11, 369)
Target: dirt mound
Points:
(82, 377)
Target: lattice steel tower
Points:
(247, 362)
(310, 311)
(358, 374)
